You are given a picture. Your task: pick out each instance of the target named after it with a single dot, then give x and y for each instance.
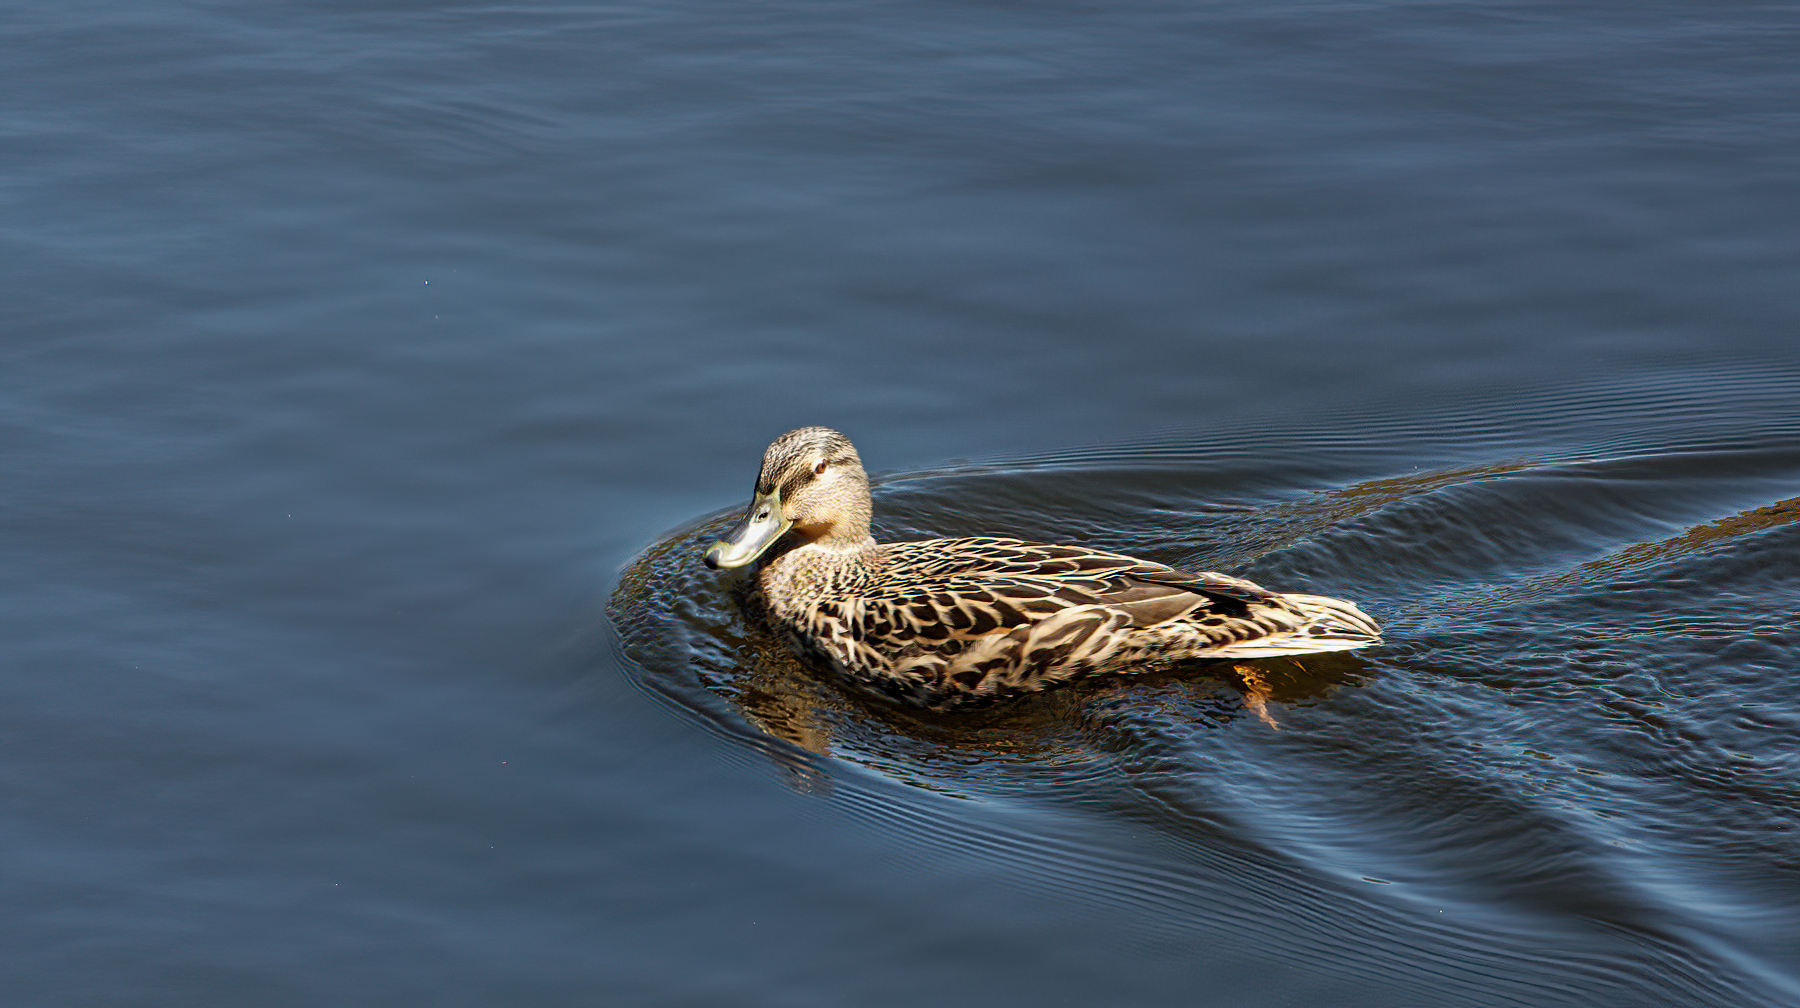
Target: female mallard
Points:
(945, 623)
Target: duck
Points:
(943, 624)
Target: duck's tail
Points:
(1331, 625)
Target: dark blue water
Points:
(370, 373)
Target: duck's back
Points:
(946, 622)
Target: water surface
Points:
(372, 371)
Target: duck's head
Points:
(812, 483)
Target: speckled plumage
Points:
(943, 623)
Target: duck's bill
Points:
(747, 540)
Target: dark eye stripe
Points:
(795, 482)
(803, 476)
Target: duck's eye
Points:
(820, 468)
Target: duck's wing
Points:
(973, 617)
(959, 588)
(1042, 579)
(1152, 594)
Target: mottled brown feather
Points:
(952, 622)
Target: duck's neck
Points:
(842, 525)
(843, 538)
(819, 568)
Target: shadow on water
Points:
(1568, 777)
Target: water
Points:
(371, 374)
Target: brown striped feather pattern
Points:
(944, 623)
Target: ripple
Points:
(1569, 778)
